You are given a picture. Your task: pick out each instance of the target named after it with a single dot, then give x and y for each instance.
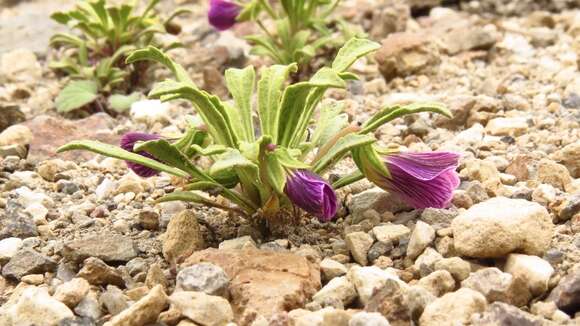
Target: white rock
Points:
(390, 232)
(458, 267)
(423, 234)
(72, 292)
(206, 310)
(359, 243)
(36, 307)
(499, 226)
(244, 242)
(507, 126)
(496, 285)
(438, 283)
(9, 247)
(203, 277)
(455, 308)
(28, 197)
(331, 268)
(20, 65)
(340, 288)
(544, 194)
(16, 135)
(469, 137)
(38, 212)
(367, 279)
(364, 318)
(150, 112)
(105, 189)
(533, 269)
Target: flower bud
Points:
(128, 141)
(312, 194)
(223, 14)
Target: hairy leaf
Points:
(75, 95)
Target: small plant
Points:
(95, 56)
(299, 28)
(277, 163)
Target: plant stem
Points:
(348, 179)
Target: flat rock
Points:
(263, 282)
(143, 312)
(27, 261)
(107, 247)
(499, 226)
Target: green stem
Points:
(348, 179)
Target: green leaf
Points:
(354, 49)
(269, 94)
(121, 103)
(275, 173)
(390, 113)
(186, 196)
(153, 54)
(232, 160)
(330, 122)
(288, 160)
(67, 39)
(121, 154)
(75, 95)
(209, 150)
(240, 83)
(61, 17)
(341, 148)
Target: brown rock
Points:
(263, 282)
(96, 272)
(10, 115)
(390, 301)
(183, 237)
(144, 311)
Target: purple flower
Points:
(128, 142)
(223, 14)
(311, 193)
(422, 179)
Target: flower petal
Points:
(312, 194)
(223, 14)
(426, 165)
(128, 142)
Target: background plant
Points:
(259, 167)
(94, 54)
(298, 29)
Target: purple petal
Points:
(423, 179)
(128, 142)
(311, 193)
(223, 14)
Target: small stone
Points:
(36, 307)
(8, 248)
(16, 135)
(338, 288)
(206, 310)
(534, 270)
(416, 299)
(554, 174)
(89, 307)
(144, 311)
(368, 319)
(391, 233)
(359, 243)
(379, 249)
(150, 112)
(507, 126)
(130, 183)
(374, 199)
(244, 242)
(458, 267)
(96, 272)
(544, 194)
(27, 261)
(155, 276)
(498, 286)
(422, 236)
(107, 247)
(425, 263)
(438, 218)
(499, 313)
(105, 189)
(566, 294)
(72, 292)
(499, 226)
(113, 300)
(331, 268)
(453, 308)
(20, 65)
(369, 279)
(183, 237)
(149, 220)
(569, 156)
(471, 38)
(438, 283)
(11, 115)
(34, 279)
(390, 301)
(203, 277)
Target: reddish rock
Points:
(52, 132)
(263, 282)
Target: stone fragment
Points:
(458, 267)
(404, 54)
(438, 218)
(72, 292)
(11, 115)
(535, 271)
(36, 307)
(338, 288)
(203, 309)
(20, 65)
(569, 156)
(453, 308)
(368, 319)
(107, 247)
(96, 272)
(155, 276)
(566, 294)
(149, 220)
(466, 39)
(374, 199)
(8, 248)
(359, 243)
(263, 282)
(554, 174)
(498, 286)
(331, 268)
(27, 261)
(150, 112)
(499, 226)
(16, 135)
(499, 313)
(391, 232)
(438, 283)
(183, 237)
(390, 301)
(425, 263)
(113, 300)
(423, 234)
(369, 279)
(416, 299)
(204, 277)
(144, 311)
(245, 242)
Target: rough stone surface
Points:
(390, 301)
(182, 237)
(206, 310)
(423, 234)
(566, 294)
(27, 261)
(498, 286)
(72, 292)
(369, 279)
(438, 283)
(534, 270)
(500, 226)
(458, 267)
(359, 243)
(265, 282)
(331, 268)
(454, 307)
(36, 307)
(499, 313)
(144, 311)
(340, 288)
(107, 247)
(391, 232)
(97, 272)
(204, 277)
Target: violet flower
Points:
(128, 141)
(422, 179)
(311, 193)
(223, 14)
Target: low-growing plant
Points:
(298, 30)
(270, 157)
(94, 56)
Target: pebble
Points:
(149, 220)
(454, 307)
(72, 292)
(89, 307)
(359, 243)
(338, 288)
(499, 226)
(27, 261)
(97, 272)
(34, 300)
(391, 233)
(20, 65)
(534, 270)
(107, 247)
(438, 283)
(150, 112)
(330, 269)
(459, 268)
(8, 248)
(113, 300)
(16, 135)
(566, 294)
(203, 309)
(244, 242)
(369, 279)
(499, 313)
(425, 263)
(204, 277)
(496, 285)
(422, 236)
(368, 319)
(183, 237)
(143, 312)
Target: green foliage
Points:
(102, 37)
(250, 168)
(299, 29)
